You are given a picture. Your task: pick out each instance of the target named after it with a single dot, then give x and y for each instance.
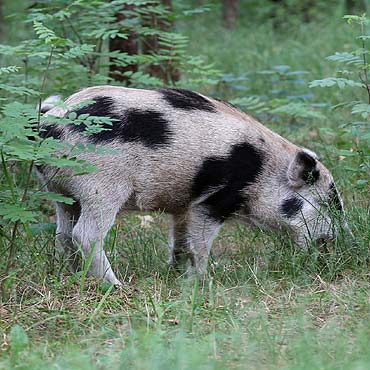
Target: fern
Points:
(45, 33)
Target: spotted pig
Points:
(200, 160)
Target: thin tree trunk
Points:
(129, 46)
(350, 6)
(150, 45)
(164, 71)
(229, 13)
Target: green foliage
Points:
(357, 65)
(10, 69)
(88, 27)
(282, 100)
(333, 81)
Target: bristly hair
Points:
(187, 100)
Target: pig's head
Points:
(303, 199)
(312, 200)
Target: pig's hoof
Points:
(111, 279)
(117, 284)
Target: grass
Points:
(264, 305)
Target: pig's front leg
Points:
(191, 238)
(93, 225)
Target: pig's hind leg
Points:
(66, 217)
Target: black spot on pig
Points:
(102, 107)
(51, 131)
(148, 127)
(187, 100)
(224, 178)
(40, 167)
(290, 207)
(45, 109)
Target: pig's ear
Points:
(303, 170)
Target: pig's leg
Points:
(193, 235)
(66, 217)
(178, 241)
(202, 230)
(97, 217)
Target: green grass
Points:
(265, 304)
(262, 306)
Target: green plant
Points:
(89, 27)
(353, 75)
(283, 100)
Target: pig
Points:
(198, 159)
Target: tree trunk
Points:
(229, 13)
(165, 71)
(129, 46)
(350, 6)
(149, 45)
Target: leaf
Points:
(18, 90)
(363, 37)
(297, 73)
(197, 10)
(281, 68)
(72, 116)
(363, 109)
(144, 79)
(362, 182)
(46, 34)
(300, 110)
(78, 51)
(347, 58)
(333, 81)
(357, 19)
(16, 212)
(250, 103)
(53, 196)
(9, 69)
